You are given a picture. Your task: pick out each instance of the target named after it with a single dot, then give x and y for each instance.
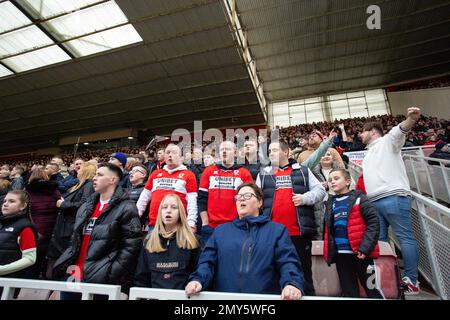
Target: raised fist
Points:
(414, 113)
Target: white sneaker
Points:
(410, 289)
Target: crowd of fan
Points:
(428, 131)
(197, 196)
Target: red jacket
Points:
(360, 185)
(363, 228)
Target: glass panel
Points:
(314, 112)
(49, 8)
(358, 106)
(11, 17)
(86, 21)
(36, 59)
(376, 102)
(297, 114)
(103, 41)
(339, 109)
(22, 40)
(355, 94)
(4, 71)
(312, 100)
(337, 96)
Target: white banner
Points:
(356, 156)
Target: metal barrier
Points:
(169, 294)
(428, 179)
(424, 151)
(431, 227)
(87, 290)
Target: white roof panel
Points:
(50, 8)
(105, 40)
(11, 17)
(36, 59)
(4, 71)
(86, 21)
(21, 40)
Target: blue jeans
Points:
(395, 211)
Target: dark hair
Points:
(373, 125)
(345, 159)
(344, 172)
(257, 190)
(113, 168)
(24, 198)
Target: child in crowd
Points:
(171, 251)
(351, 234)
(17, 236)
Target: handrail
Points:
(87, 290)
(432, 204)
(426, 158)
(170, 294)
(419, 147)
(432, 234)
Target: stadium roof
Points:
(92, 65)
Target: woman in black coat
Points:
(68, 208)
(171, 250)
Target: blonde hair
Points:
(87, 171)
(184, 235)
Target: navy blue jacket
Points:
(250, 255)
(67, 183)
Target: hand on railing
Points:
(291, 293)
(192, 288)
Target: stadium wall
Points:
(433, 102)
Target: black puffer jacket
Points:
(169, 269)
(116, 241)
(66, 219)
(135, 192)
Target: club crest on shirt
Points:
(181, 175)
(159, 175)
(89, 226)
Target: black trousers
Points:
(303, 248)
(350, 269)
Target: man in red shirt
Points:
(173, 178)
(107, 234)
(217, 190)
(290, 192)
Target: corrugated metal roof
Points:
(188, 67)
(188, 64)
(307, 48)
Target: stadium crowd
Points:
(201, 220)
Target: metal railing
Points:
(429, 179)
(431, 227)
(169, 294)
(419, 150)
(87, 290)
